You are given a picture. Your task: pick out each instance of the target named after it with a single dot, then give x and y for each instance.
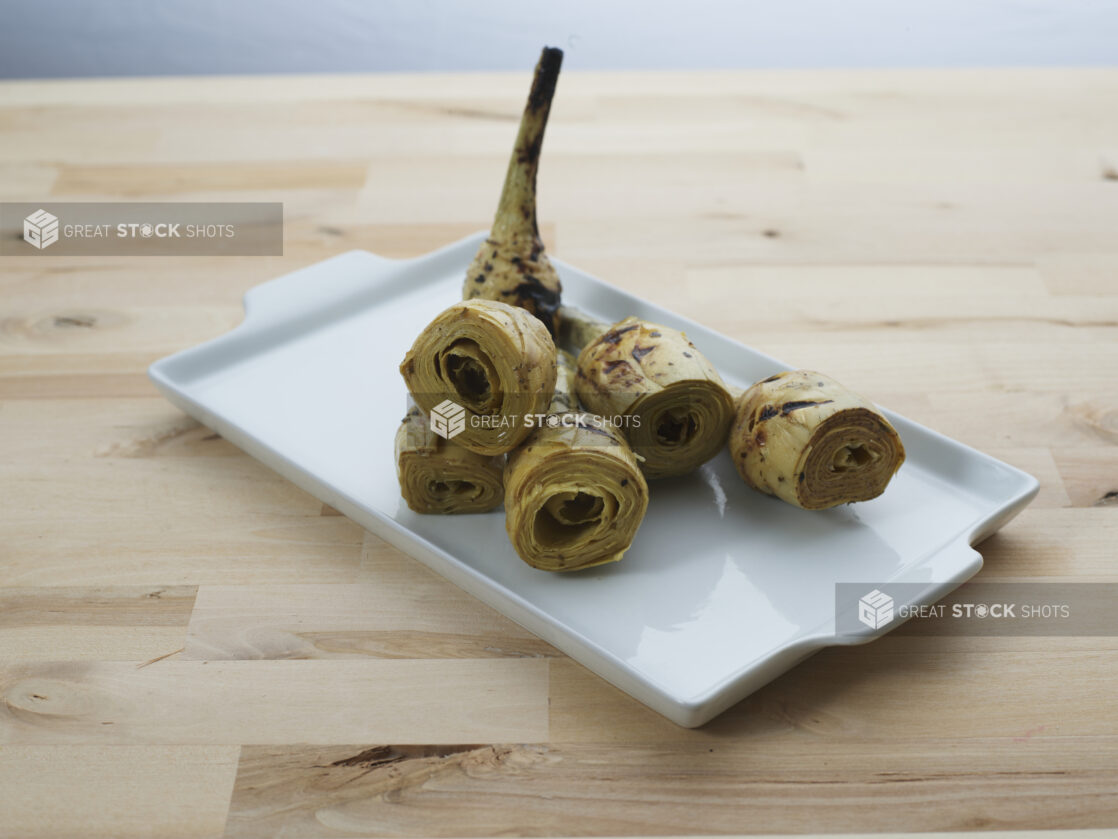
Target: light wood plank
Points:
(613, 185)
(1072, 543)
(1080, 273)
(266, 493)
(488, 790)
(931, 166)
(94, 386)
(420, 616)
(106, 429)
(27, 181)
(877, 224)
(89, 643)
(202, 702)
(940, 240)
(1017, 367)
(845, 317)
(169, 549)
(866, 285)
(106, 606)
(1090, 474)
(93, 624)
(1061, 419)
(871, 694)
(77, 329)
(137, 181)
(116, 791)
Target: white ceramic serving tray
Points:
(723, 590)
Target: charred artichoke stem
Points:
(564, 400)
(517, 208)
(578, 329)
(510, 265)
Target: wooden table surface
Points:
(191, 646)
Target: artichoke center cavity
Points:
(565, 517)
(445, 489)
(851, 457)
(470, 374)
(674, 429)
(578, 510)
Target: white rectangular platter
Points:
(723, 590)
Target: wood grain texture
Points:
(871, 697)
(190, 646)
(165, 701)
(115, 791)
(661, 790)
(419, 618)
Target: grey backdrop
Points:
(52, 38)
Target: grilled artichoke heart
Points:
(494, 360)
(679, 409)
(439, 476)
(574, 493)
(511, 265)
(803, 437)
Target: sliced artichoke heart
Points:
(803, 437)
(679, 408)
(437, 475)
(574, 492)
(495, 361)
